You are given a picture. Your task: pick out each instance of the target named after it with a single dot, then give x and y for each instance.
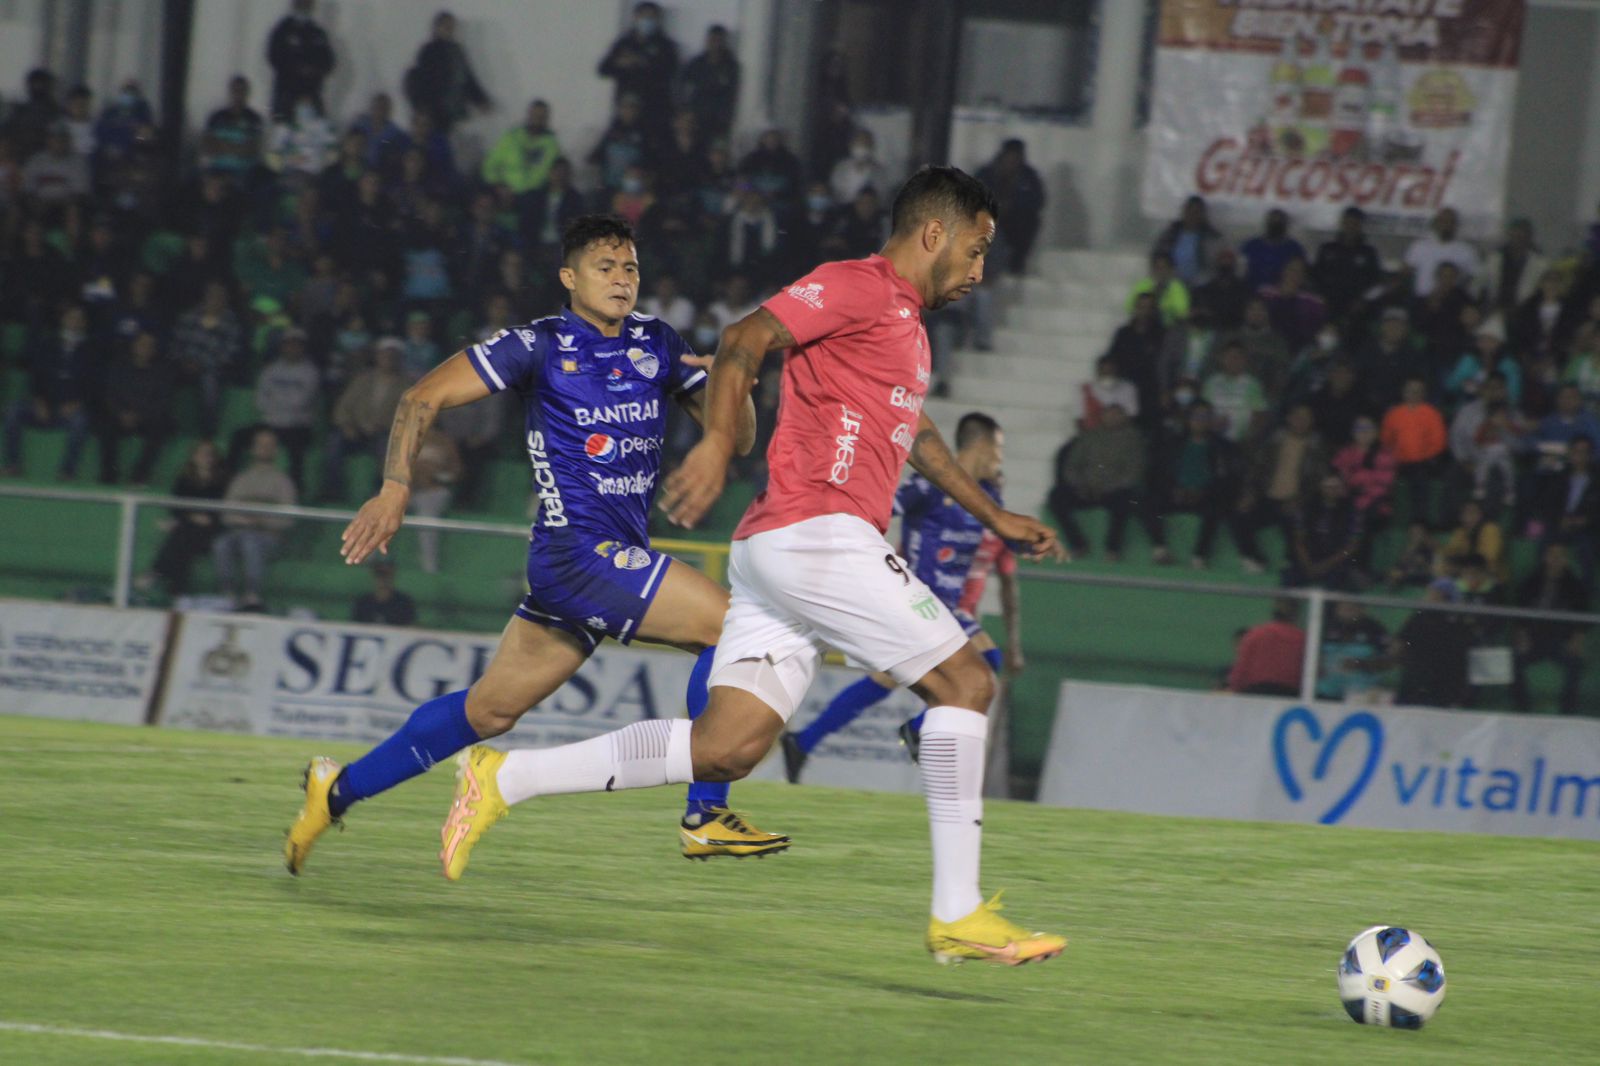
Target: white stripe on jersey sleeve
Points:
(699, 375)
(482, 357)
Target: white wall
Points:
(124, 42)
(21, 43)
(519, 50)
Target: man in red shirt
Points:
(1270, 655)
(810, 566)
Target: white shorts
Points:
(831, 581)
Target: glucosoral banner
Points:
(92, 664)
(1399, 109)
(357, 683)
(1159, 751)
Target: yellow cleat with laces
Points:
(721, 832)
(985, 936)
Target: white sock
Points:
(642, 755)
(951, 755)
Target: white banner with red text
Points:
(1314, 106)
(92, 664)
(1157, 751)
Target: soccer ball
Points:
(1391, 976)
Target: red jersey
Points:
(852, 391)
(992, 554)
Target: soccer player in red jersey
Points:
(809, 564)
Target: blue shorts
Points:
(969, 625)
(591, 589)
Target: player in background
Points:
(809, 565)
(593, 379)
(940, 541)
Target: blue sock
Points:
(703, 795)
(993, 657)
(843, 709)
(436, 730)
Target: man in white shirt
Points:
(1442, 246)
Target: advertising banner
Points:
(91, 664)
(1316, 105)
(1222, 756)
(357, 683)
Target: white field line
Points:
(256, 1049)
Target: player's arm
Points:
(1011, 615)
(931, 458)
(450, 384)
(695, 403)
(695, 486)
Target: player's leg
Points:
(531, 662)
(687, 611)
(911, 731)
(846, 706)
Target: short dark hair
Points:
(940, 192)
(590, 229)
(973, 427)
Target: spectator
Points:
(1583, 365)
(435, 471)
(521, 159)
(859, 170)
(1192, 242)
(751, 242)
(138, 403)
(1136, 350)
(433, 141)
(1351, 640)
(362, 414)
(1536, 325)
(1296, 313)
(1224, 293)
(1271, 655)
(1476, 534)
(265, 266)
(1368, 470)
(706, 333)
(1432, 650)
(626, 142)
(1267, 253)
(191, 532)
(1103, 467)
(287, 398)
(1439, 318)
(421, 353)
(643, 63)
(55, 180)
(1514, 271)
(62, 375)
(1487, 355)
(1553, 588)
(1198, 473)
(1557, 430)
(672, 307)
(1413, 430)
(858, 231)
(1107, 389)
(232, 143)
(31, 119)
(1282, 473)
(1471, 418)
(1019, 192)
(1236, 395)
(385, 142)
(1426, 254)
(1567, 505)
(1267, 354)
(441, 84)
(683, 156)
(79, 124)
(385, 605)
(1348, 265)
(775, 171)
(301, 58)
(1169, 292)
(1390, 359)
(1186, 352)
(208, 345)
(1418, 559)
(710, 85)
(736, 301)
(635, 195)
(1338, 401)
(1327, 539)
(124, 124)
(248, 541)
(545, 214)
(336, 185)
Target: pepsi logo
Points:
(946, 554)
(600, 447)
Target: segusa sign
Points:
(1160, 752)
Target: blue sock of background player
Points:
(704, 796)
(847, 705)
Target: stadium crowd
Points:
(1441, 407)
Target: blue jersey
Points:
(937, 536)
(596, 412)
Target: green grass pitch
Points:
(143, 894)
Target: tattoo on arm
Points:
(781, 337)
(412, 420)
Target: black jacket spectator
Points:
(710, 85)
(1554, 587)
(1136, 347)
(643, 62)
(1347, 266)
(137, 402)
(774, 170)
(1019, 191)
(1225, 292)
(627, 142)
(1433, 648)
(301, 58)
(442, 83)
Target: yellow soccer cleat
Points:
(722, 832)
(986, 936)
(314, 817)
(477, 806)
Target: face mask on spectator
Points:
(1327, 341)
(646, 24)
(1184, 396)
(632, 186)
(861, 152)
(818, 204)
(706, 338)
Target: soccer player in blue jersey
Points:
(595, 380)
(938, 539)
